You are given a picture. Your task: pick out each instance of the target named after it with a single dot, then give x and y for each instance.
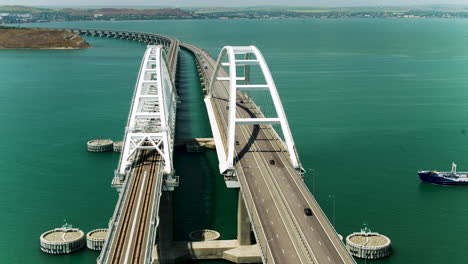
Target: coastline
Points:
(53, 39)
(51, 48)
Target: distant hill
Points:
(127, 11)
(21, 9)
(92, 11)
(22, 14)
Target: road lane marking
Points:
(268, 191)
(312, 229)
(283, 250)
(279, 192)
(329, 259)
(311, 199)
(277, 236)
(320, 242)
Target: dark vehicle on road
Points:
(308, 211)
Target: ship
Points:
(447, 178)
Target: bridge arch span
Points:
(237, 66)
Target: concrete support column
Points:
(243, 222)
(166, 219)
(165, 230)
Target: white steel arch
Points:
(233, 60)
(151, 120)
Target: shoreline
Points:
(52, 39)
(240, 18)
(52, 48)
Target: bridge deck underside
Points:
(274, 194)
(130, 243)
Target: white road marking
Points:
(134, 219)
(320, 242)
(311, 198)
(277, 236)
(329, 259)
(267, 211)
(283, 250)
(312, 229)
(267, 191)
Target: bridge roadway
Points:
(274, 194)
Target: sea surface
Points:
(369, 102)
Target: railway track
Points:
(174, 49)
(123, 221)
(146, 212)
(133, 224)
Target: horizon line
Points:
(240, 6)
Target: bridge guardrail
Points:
(112, 225)
(155, 210)
(265, 255)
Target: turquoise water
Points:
(369, 101)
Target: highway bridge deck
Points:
(274, 194)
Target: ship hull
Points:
(438, 179)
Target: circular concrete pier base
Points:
(368, 245)
(100, 145)
(204, 235)
(95, 239)
(62, 240)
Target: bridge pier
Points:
(229, 250)
(239, 250)
(161, 251)
(243, 223)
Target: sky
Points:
(231, 3)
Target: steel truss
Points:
(241, 59)
(151, 120)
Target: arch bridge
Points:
(257, 153)
(255, 149)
